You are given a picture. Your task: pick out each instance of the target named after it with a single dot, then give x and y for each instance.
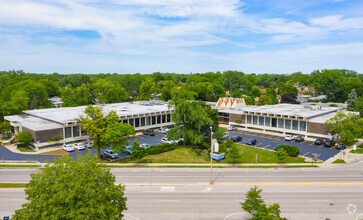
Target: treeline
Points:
(21, 91)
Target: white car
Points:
(68, 148)
(165, 140)
(89, 144)
(144, 145)
(79, 146)
(128, 150)
(231, 128)
(225, 135)
(289, 138)
(161, 130)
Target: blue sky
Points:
(180, 36)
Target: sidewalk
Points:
(348, 157)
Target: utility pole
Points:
(211, 159)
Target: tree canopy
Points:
(67, 189)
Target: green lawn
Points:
(187, 155)
(25, 149)
(339, 161)
(19, 165)
(358, 151)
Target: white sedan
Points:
(289, 138)
(144, 145)
(68, 148)
(165, 140)
(160, 130)
(79, 146)
(231, 128)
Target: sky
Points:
(180, 36)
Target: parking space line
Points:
(311, 144)
(65, 151)
(303, 142)
(266, 146)
(321, 146)
(318, 155)
(306, 154)
(76, 149)
(258, 144)
(331, 148)
(140, 137)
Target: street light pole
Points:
(211, 160)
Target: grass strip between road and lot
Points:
(188, 155)
(25, 149)
(19, 165)
(339, 161)
(12, 185)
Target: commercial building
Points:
(61, 123)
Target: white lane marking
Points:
(167, 189)
(207, 189)
(168, 200)
(319, 200)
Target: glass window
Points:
(255, 120)
(148, 121)
(274, 122)
(295, 125)
(287, 124)
(159, 119)
(302, 126)
(137, 122)
(131, 122)
(125, 121)
(267, 121)
(83, 132)
(153, 120)
(142, 121)
(249, 119)
(164, 118)
(260, 120)
(281, 123)
(168, 118)
(68, 132)
(75, 131)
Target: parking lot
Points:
(264, 141)
(267, 141)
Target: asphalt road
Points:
(222, 202)
(352, 173)
(266, 141)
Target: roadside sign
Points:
(218, 156)
(215, 145)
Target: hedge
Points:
(158, 149)
(291, 150)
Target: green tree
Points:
(106, 130)
(24, 137)
(166, 89)
(5, 126)
(108, 92)
(359, 106)
(352, 99)
(255, 205)
(68, 189)
(147, 89)
(18, 103)
(329, 83)
(348, 126)
(234, 152)
(281, 154)
(267, 99)
(137, 152)
(76, 96)
(255, 91)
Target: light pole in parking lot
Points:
(211, 160)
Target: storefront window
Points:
(267, 122)
(274, 122)
(249, 119)
(287, 124)
(260, 121)
(302, 126)
(142, 121)
(75, 131)
(137, 122)
(68, 132)
(255, 120)
(295, 125)
(281, 123)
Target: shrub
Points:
(291, 150)
(198, 151)
(333, 105)
(55, 138)
(205, 145)
(158, 149)
(237, 121)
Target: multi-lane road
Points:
(185, 193)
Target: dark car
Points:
(299, 139)
(340, 146)
(149, 132)
(251, 142)
(329, 143)
(318, 142)
(236, 138)
(111, 154)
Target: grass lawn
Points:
(187, 155)
(358, 151)
(12, 185)
(339, 161)
(19, 165)
(25, 149)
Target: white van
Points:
(225, 135)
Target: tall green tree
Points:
(352, 100)
(25, 137)
(148, 89)
(329, 83)
(108, 92)
(137, 152)
(76, 96)
(68, 189)
(105, 129)
(348, 126)
(256, 206)
(267, 99)
(166, 88)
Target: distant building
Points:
(56, 101)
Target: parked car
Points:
(89, 144)
(318, 142)
(329, 143)
(289, 138)
(111, 154)
(144, 145)
(251, 142)
(78, 146)
(340, 146)
(299, 139)
(225, 135)
(166, 140)
(231, 128)
(68, 147)
(149, 132)
(236, 138)
(128, 150)
(161, 130)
